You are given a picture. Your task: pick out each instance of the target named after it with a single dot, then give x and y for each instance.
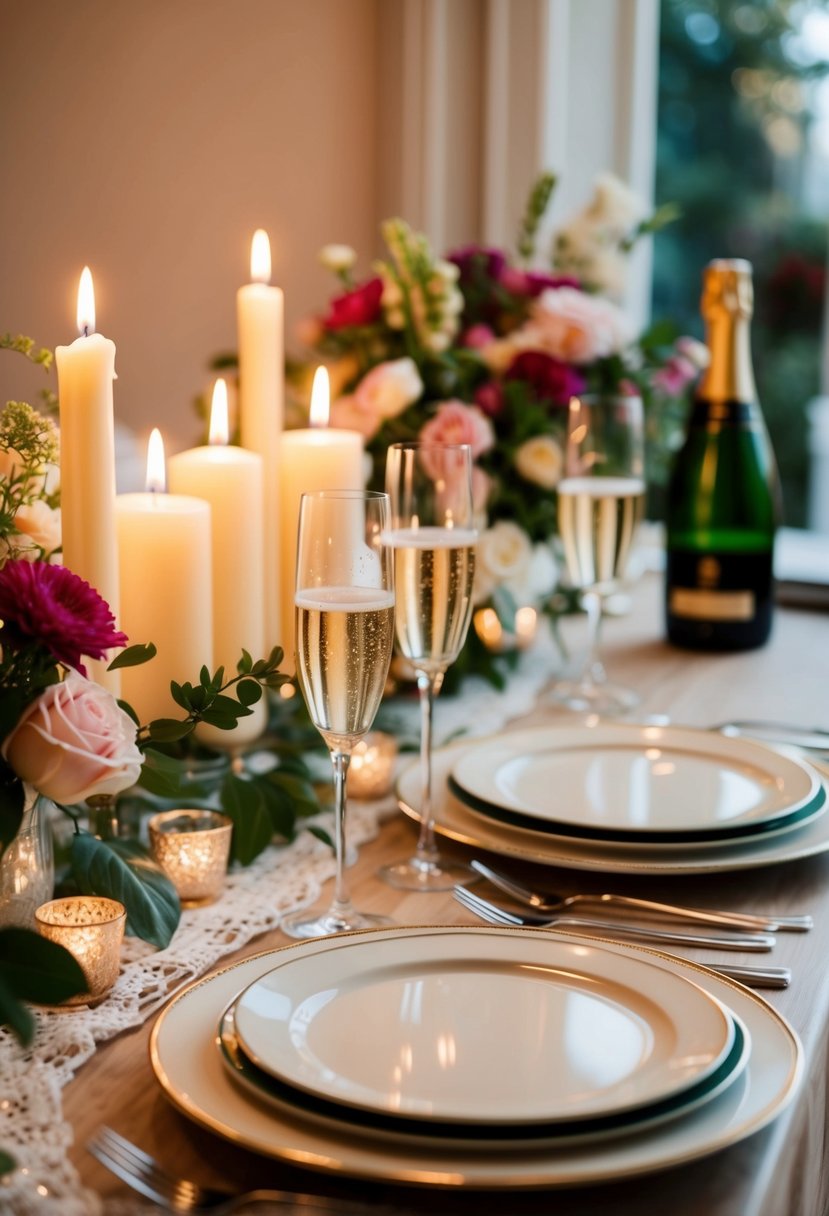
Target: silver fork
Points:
(549, 902)
(144, 1174)
(757, 977)
(753, 942)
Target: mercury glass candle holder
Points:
(372, 765)
(92, 929)
(192, 847)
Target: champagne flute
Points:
(600, 500)
(433, 540)
(344, 638)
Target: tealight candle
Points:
(498, 639)
(192, 847)
(92, 929)
(372, 765)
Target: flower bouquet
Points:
(478, 347)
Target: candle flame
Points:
(260, 257)
(320, 398)
(156, 471)
(219, 428)
(86, 303)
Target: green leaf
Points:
(124, 870)
(32, 968)
(129, 711)
(167, 777)
(248, 692)
(204, 677)
(276, 656)
(180, 696)
(12, 798)
(296, 787)
(252, 829)
(7, 1163)
(279, 808)
(169, 730)
(320, 834)
(133, 656)
(245, 664)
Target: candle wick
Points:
(86, 331)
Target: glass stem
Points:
(428, 687)
(342, 900)
(593, 671)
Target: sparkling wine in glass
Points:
(344, 638)
(600, 501)
(432, 538)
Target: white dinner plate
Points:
(479, 1031)
(189, 1070)
(476, 1139)
(459, 822)
(636, 784)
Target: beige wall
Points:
(149, 138)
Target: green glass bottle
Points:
(723, 498)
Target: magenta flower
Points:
(55, 608)
(532, 282)
(361, 306)
(550, 379)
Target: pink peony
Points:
(52, 606)
(578, 328)
(455, 422)
(361, 306)
(389, 388)
(478, 336)
(74, 741)
(675, 375)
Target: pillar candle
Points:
(230, 480)
(166, 588)
(315, 458)
(86, 370)
(259, 310)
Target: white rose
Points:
(502, 556)
(540, 461)
(337, 258)
(543, 573)
(389, 388)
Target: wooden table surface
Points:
(777, 1172)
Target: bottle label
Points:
(698, 604)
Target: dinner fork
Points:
(550, 902)
(144, 1174)
(753, 942)
(756, 977)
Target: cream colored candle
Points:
(259, 311)
(86, 370)
(166, 588)
(316, 458)
(230, 479)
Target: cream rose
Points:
(540, 461)
(578, 328)
(502, 556)
(389, 388)
(73, 742)
(39, 528)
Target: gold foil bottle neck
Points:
(727, 288)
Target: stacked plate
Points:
(641, 799)
(475, 1057)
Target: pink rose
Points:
(578, 328)
(389, 388)
(73, 742)
(675, 375)
(478, 336)
(455, 422)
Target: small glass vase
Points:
(27, 867)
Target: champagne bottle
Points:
(723, 498)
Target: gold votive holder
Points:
(91, 928)
(371, 769)
(192, 847)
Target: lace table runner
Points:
(32, 1126)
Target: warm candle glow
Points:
(86, 303)
(260, 257)
(156, 471)
(320, 398)
(219, 427)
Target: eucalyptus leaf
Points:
(124, 870)
(252, 828)
(133, 656)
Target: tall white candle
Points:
(166, 588)
(315, 458)
(259, 310)
(86, 370)
(230, 479)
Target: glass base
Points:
(419, 875)
(308, 923)
(604, 699)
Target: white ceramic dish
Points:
(289, 1102)
(481, 1031)
(656, 784)
(188, 1068)
(459, 822)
